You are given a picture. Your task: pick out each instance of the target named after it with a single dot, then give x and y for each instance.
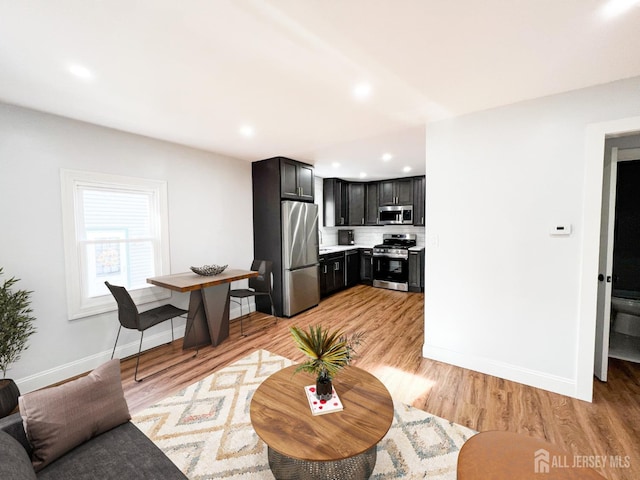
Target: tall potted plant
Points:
(16, 326)
(328, 353)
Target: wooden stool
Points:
(509, 456)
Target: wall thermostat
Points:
(561, 229)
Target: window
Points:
(116, 230)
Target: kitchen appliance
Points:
(345, 237)
(391, 261)
(300, 264)
(395, 215)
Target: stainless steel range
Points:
(391, 261)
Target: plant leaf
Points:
(16, 323)
(328, 352)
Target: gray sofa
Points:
(79, 430)
(121, 453)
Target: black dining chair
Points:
(259, 286)
(131, 318)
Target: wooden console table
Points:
(335, 445)
(208, 317)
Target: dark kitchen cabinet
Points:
(338, 271)
(395, 192)
(416, 270)
(323, 275)
(419, 196)
(335, 202)
(386, 193)
(273, 180)
(371, 204)
(366, 265)
(332, 275)
(356, 203)
(296, 180)
(352, 267)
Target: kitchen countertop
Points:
(324, 249)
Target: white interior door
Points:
(603, 319)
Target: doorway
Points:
(617, 276)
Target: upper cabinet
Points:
(356, 203)
(296, 180)
(395, 192)
(334, 192)
(371, 204)
(283, 179)
(419, 198)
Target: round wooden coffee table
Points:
(335, 445)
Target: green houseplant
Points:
(16, 326)
(328, 353)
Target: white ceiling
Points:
(195, 71)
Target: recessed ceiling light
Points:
(247, 131)
(362, 91)
(335, 164)
(613, 8)
(386, 157)
(362, 174)
(80, 71)
(406, 169)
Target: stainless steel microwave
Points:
(395, 215)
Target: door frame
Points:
(605, 285)
(591, 220)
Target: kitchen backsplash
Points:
(369, 235)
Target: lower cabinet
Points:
(332, 275)
(352, 270)
(366, 266)
(416, 271)
(346, 269)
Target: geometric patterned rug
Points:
(206, 431)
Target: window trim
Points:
(79, 306)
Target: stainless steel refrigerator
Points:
(300, 265)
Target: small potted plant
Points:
(16, 326)
(328, 353)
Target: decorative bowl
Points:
(209, 270)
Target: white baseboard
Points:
(533, 378)
(86, 364)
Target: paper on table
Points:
(321, 407)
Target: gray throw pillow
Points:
(14, 461)
(60, 418)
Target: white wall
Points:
(210, 218)
(503, 296)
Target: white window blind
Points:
(115, 230)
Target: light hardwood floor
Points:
(393, 322)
